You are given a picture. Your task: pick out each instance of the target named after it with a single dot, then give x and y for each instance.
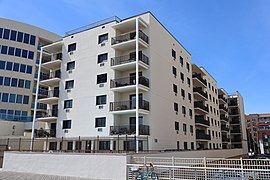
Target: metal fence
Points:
(199, 168)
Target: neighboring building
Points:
(19, 44)
(132, 85)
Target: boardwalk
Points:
(5, 175)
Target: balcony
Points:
(222, 98)
(50, 116)
(223, 108)
(235, 131)
(233, 103)
(236, 140)
(200, 94)
(127, 107)
(223, 118)
(201, 136)
(51, 98)
(42, 133)
(198, 77)
(127, 41)
(232, 122)
(200, 107)
(51, 79)
(129, 130)
(224, 128)
(129, 84)
(128, 62)
(199, 120)
(12, 117)
(53, 63)
(41, 92)
(234, 113)
(40, 106)
(225, 139)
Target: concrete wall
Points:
(75, 165)
(11, 128)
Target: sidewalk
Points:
(7, 175)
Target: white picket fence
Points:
(200, 168)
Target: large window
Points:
(66, 124)
(68, 103)
(70, 65)
(69, 84)
(5, 97)
(100, 100)
(9, 66)
(14, 82)
(100, 122)
(71, 47)
(4, 50)
(2, 64)
(12, 98)
(102, 58)
(32, 40)
(6, 34)
(26, 38)
(25, 99)
(21, 83)
(102, 38)
(27, 84)
(19, 99)
(29, 69)
(102, 78)
(7, 81)
(20, 37)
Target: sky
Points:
(229, 38)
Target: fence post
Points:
(147, 144)
(8, 143)
(135, 143)
(46, 147)
(20, 144)
(242, 168)
(118, 143)
(205, 171)
(32, 147)
(173, 164)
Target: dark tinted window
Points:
(9, 66)
(176, 126)
(5, 97)
(4, 50)
(6, 33)
(30, 55)
(13, 35)
(20, 37)
(70, 65)
(173, 54)
(18, 52)
(68, 104)
(23, 68)
(12, 98)
(33, 40)
(102, 57)
(26, 38)
(66, 124)
(7, 81)
(1, 32)
(1, 81)
(25, 99)
(103, 38)
(14, 82)
(24, 53)
(27, 84)
(102, 78)
(2, 64)
(16, 67)
(19, 99)
(11, 51)
(21, 83)
(29, 69)
(100, 100)
(101, 122)
(72, 47)
(69, 84)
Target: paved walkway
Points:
(6, 175)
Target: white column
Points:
(74, 145)
(111, 145)
(137, 84)
(36, 99)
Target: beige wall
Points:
(11, 128)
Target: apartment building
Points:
(19, 45)
(132, 85)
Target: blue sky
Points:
(230, 38)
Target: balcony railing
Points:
(201, 120)
(199, 76)
(222, 97)
(50, 113)
(235, 122)
(128, 81)
(225, 139)
(128, 105)
(128, 58)
(223, 117)
(129, 130)
(129, 36)
(50, 76)
(235, 131)
(233, 113)
(51, 93)
(224, 128)
(11, 117)
(223, 107)
(201, 92)
(199, 104)
(236, 140)
(41, 133)
(200, 135)
(41, 91)
(232, 103)
(39, 106)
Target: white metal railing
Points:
(199, 168)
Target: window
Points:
(189, 97)
(68, 103)
(188, 68)
(11, 51)
(16, 67)
(184, 110)
(212, 121)
(173, 54)
(14, 82)
(184, 127)
(176, 107)
(29, 69)
(6, 34)
(7, 81)
(30, 55)
(185, 146)
(9, 66)
(19, 99)
(102, 38)
(183, 93)
(174, 88)
(100, 100)
(215, 122)
(4, 50)
(26, 38)
(18, 52)
(70, 65)
(21, 83)
(190, 113)
(182, 77)
(27, 84)
(5, 97)
(174, 71)
(66, 124)
(1, 32)
(2, 64)
(188, 81)
(25, 99)
(192, 145)
(20, 37)
(102, 78)
(24, 53)
(102, 58)
(69, 84)
(100, 122)
(181, 59)
(176, 126)
(191, 129)
(12, 98)
(32, 40)
(1, 82)
(71, 47)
